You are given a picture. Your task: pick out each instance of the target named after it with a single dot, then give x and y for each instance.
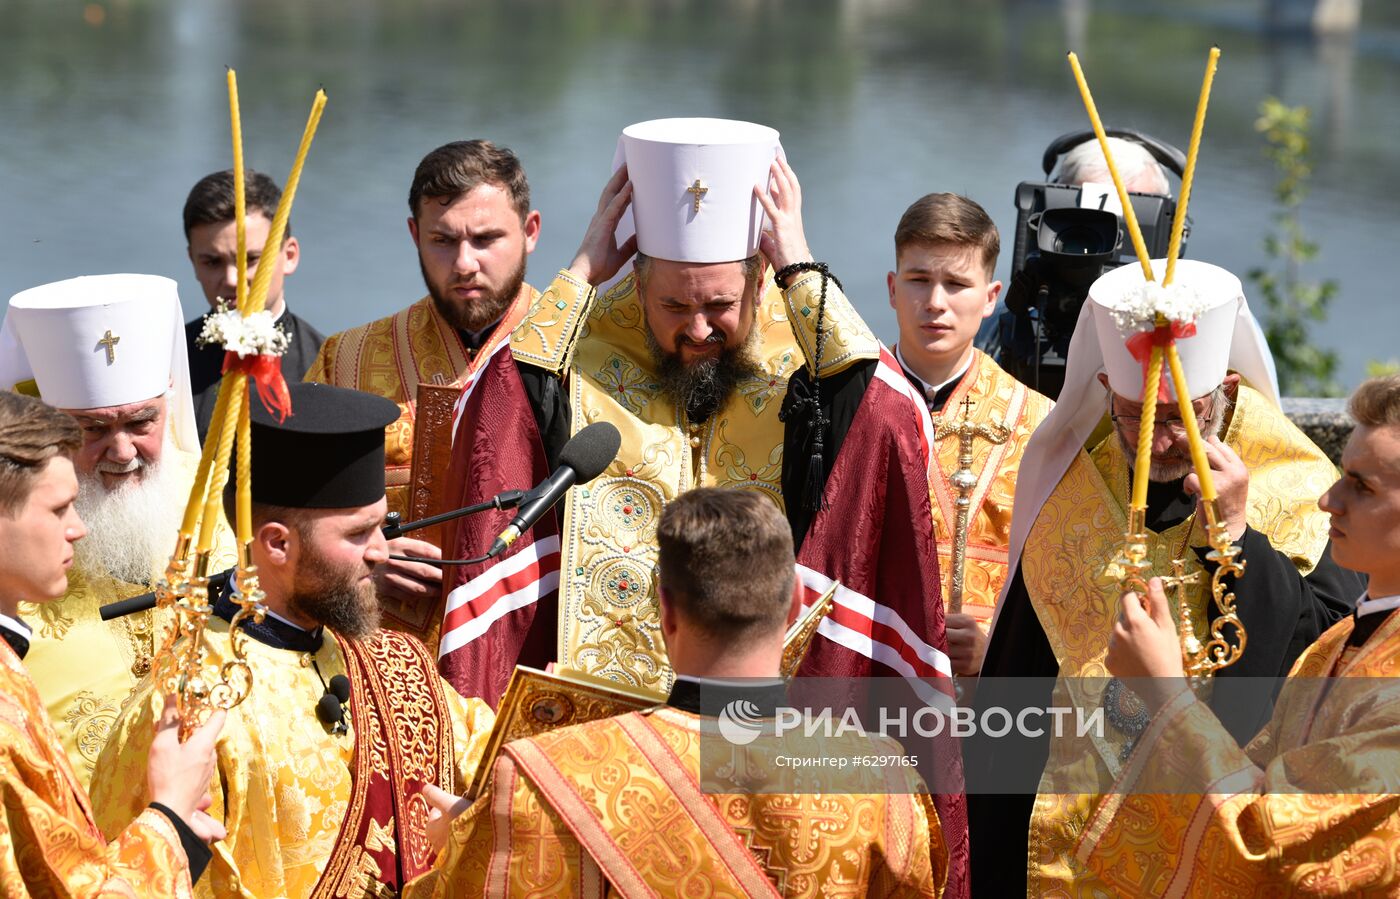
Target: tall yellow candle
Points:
(244, 486)
(201, 479)
(1188, 174)
(1147, 425)
(262, 279)
(1193, 430)
(240, 219)
(1129, 216)
(218, 474)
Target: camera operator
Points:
(1068, 232)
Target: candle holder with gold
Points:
(252, 345)
(1201, 660)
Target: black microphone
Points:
(143, 601)
(330, 708)
(581, 460)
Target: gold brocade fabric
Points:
(1074, 589)
(49, 841)
(997, 399)
(84, 667)
(609, 624)
(1270, 820)
(283, 781)
(391, 357)
(512, 841)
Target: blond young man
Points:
(941, 289)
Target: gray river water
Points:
(110, 111)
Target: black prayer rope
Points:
(814, 496)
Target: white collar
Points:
(15, 625)
(1369, 606)
(304, 630)
(931, 389)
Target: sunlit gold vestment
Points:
(1075, 590)
(390, 357)
(49, 841)
(609, 624)
(84, 667)
(997, 399)
(1271, 819)
(284, 781)
(513, 841)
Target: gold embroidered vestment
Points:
(1074, 590)
(283, 783)
(609, 624)
(84, 667)
(49, 841)
(513, 842)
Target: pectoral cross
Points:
(109, 343)
(699, 190)
(964, 481)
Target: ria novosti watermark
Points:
(741, 722)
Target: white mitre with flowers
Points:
(1227, 338)
(1199, 308)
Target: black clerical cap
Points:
(328, 454)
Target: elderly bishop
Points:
(110, 351)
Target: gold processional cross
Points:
(109, 343)
(964, 481)
(699, 190)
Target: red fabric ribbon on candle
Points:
(1140, 346)
(266, 372)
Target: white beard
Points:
(130, 530)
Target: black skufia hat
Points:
(328, 454)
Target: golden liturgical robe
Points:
(614, 808)
(286, 783)
(392, 356)
(609, 623)
(995, 399)
(49, 842)
(84, 667)
(1068, 572)
(1310, 808)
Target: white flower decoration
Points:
(1139, 307)
(255, 335)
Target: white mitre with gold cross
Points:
(693, 185)
(101, 341)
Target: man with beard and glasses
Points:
(1062, 596)
(110, 351)
(473, 227)
(321, 768)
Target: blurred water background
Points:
(109, 111)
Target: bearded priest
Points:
(321, 766)
(110, 351)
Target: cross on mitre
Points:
(698, 189)
(109, 343)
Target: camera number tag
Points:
(1096, 195)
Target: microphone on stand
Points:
(581, 460)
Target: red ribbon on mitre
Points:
(1140, 346)
(266, 372)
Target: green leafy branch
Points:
(1292, 303)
